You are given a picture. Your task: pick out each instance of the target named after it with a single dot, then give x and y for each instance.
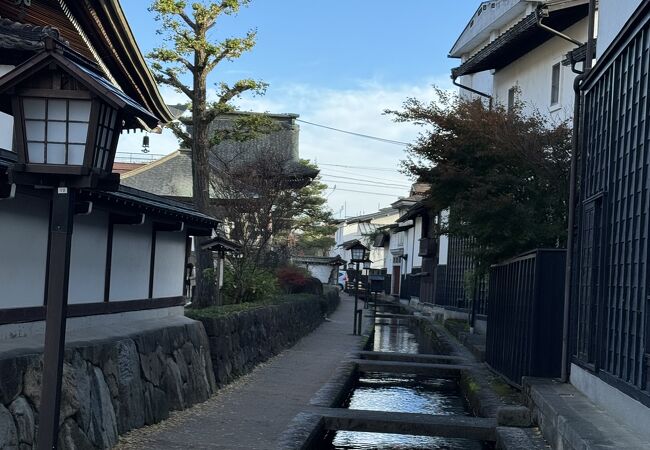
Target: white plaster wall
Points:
(417, 234)
(377, 257)
(622, 407)
(88, 258)
(481, 81)
(611, 18)
(130, 262)
(443, 250)
(169, 265)
(532, 74)
(388, 258)
(5, 68)
(24, 225)
(6, 131)
(6, 121)
(320, 271)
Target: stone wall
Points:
(114, 380)
(240, 341)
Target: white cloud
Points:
(358, 109)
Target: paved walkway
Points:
(254, 411)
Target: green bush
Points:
(250, 285)
(215, 312)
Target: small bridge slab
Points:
(391, 316)
(431, 370)
(478, 428)
(412, 357)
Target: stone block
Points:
(514, 416)
(8, 432)
(24, 419)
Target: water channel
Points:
(402, 393)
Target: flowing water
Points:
(401, 393)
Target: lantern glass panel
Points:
(55, 153)
(56, 130)
(35, 130)
(36, 152)
(357, 253)
(34, 108)
(366, 264)
(76, 154)
(77, 132)
(104, 138)
(57, 109)
(80, 110)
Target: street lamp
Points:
(366, 265)
(67, 118)
(359, 253)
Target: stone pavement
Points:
(254, 411)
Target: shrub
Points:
(293, 279)
(251, 285)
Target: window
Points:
(555, 84)
(512, 97)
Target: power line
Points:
(368, 182)
(360, 184)
(381, 169)
(366, 136)
(347, 176)
(366, 192)
(384, 179)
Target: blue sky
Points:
(339, 63)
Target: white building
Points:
(363, 228)
(505, 53)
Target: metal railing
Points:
(524, 332)
(136, 158)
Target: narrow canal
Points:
(401, 393)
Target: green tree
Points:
(313, 226)
(502, 175)
(263, 208)
(183, 62)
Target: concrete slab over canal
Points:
(477, 428)
(430, 370)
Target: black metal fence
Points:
(453, 278)
(611, 304)
(410, 286)
(525, 313)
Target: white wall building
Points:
(362, 228)
(506, 54)
(128, 257)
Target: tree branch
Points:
(172, 80)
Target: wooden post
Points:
(55, 320)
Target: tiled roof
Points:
(520, 39)
(170, 176)
(20, 36)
